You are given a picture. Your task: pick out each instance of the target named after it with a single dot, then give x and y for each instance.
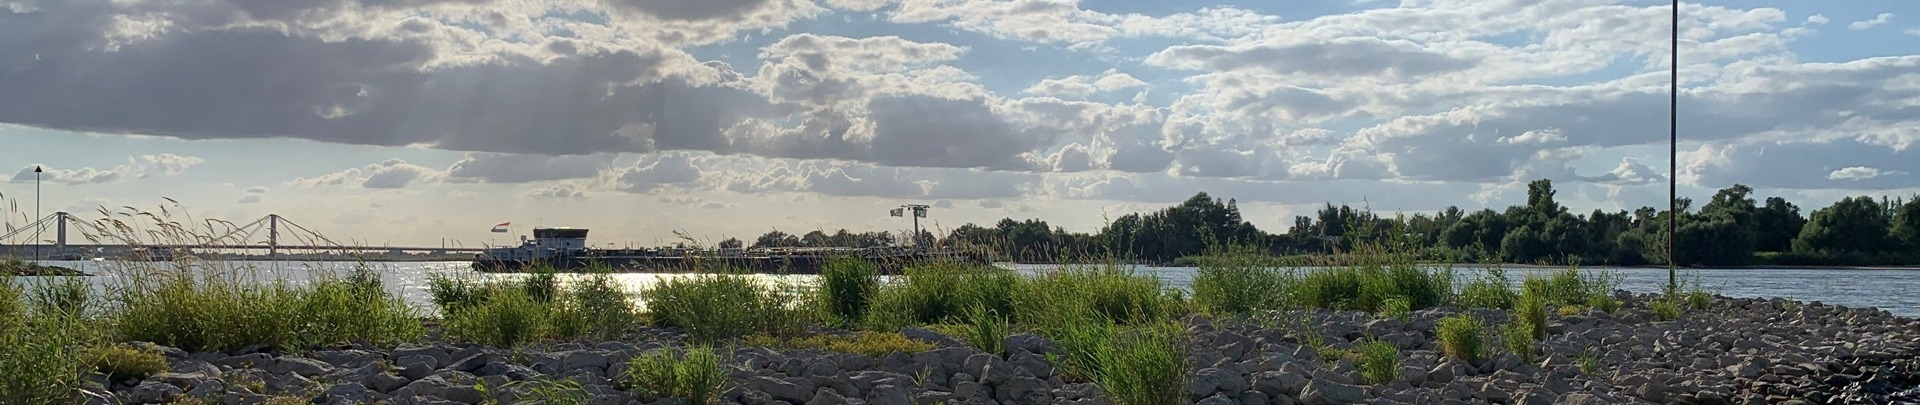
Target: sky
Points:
(416, 122)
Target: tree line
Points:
(1730, 229)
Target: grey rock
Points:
(415, 367)
(779, 389)
(1321, 392)
(579, 359)
(826, 396)
(933, 397)
(1216, 399)
(1578, 398)
(1077, 391)
(1253, 398)
(1024, 390)
(347, 358)
(289, 384)
(452, 385)
(995, 371)
(349, 393)
(182, 380)
(1029, 342)
(888, 394)
(928, 335)
(302, 366)
(148, 392)
(1033, 363)
(439, 355)
(190, 366)
(254, 360)
(1207, 381)
(1280, 383)
(470, 363)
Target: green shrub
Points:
(1367, 280)
(1379, 361)
(692, 375)
(221, 310)
(942, 292)
(451, 293)
(709, 307)
(1237, 284)
(1665, 309)
(1110, 293)
(987, 330)
(123, 362)
(1519, 339)
(1489, 291)
(1699, 300)
(1396, 308)
(1144, 366)
(66, 297)
(506, 318)
(1530, 313)
(1605, 302)
(607, 309)
(848, 285)
(1459, 337)
(37, 356)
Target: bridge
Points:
(133, 232)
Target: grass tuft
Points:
(1665, 309)
(1237, 284)
(221, 310)
(1379, 361)
(847, 285)
(711, 307)
(987, 330)
(1459, 337)
(1144, 366)
(37, 356)
(691, 375)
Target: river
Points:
(1891, 290)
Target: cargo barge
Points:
(566, 249)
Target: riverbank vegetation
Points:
(1102, 323)
(1731, 228)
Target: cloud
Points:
(513, 168)
(1818, 19)
(1883, 18)
(136, 167)
(563, 190)
(256, 190)
(1857, 173)
(392, 173)
(249, 199)
(1081, 86)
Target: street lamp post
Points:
(36, 215)
(918, 211)
(1673, 150)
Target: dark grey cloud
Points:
(1340, 57)
(263, 83)
(515, 168)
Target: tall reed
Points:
(848, 285)
(710, 307)
(38, 351)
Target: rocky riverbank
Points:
(35, 270)
(1742, 351)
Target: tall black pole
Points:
(1673, 151)
(36, 215)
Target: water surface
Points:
(1891, 290)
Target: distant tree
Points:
(1851, 225)
(774, 239)
(731, 243)
(1776, 224)
(1906, 225)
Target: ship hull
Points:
(892, 264)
